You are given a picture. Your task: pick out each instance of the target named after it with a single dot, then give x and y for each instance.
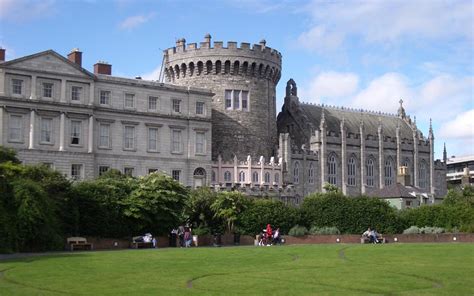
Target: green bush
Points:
(324, 230)
(261, 212)
(350, 214)
(412, 230)
(435, 230)
(298, 231)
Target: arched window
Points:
(267, 177)
(369, 170)
(242, 176)
(311, 174)
(332, 169)
(227, 67)
(199, 172)
(227, 177)
(191, 69)
(208, 67)
(423, 175)
(218, 67)
(200, 66)
(296, 173)
(176, 71)
(213, 176)
(351, 171)
(255, 177)
(183, 70)
(388, 172)
(236, 68)
(277, 178)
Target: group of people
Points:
(146, 238)
(372, 235)
(267, 237)
(185, 236)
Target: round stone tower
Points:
(243, 80)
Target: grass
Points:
(392, 269)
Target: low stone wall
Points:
(246, 240)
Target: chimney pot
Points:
(75, 56)
(102, 67)
(2, 54)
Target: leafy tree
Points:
(228, 206)
(156, 204)
(97, 207)
(8, 154)
(198, 210)
(37, 225)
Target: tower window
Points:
(236, 99)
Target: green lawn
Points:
(392, 269)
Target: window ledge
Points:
(46, 143)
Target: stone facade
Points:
(243, 80)
(356, 150)
(53, 111)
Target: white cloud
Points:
(25, 10)
(135, 21)
(320, 39)
(385, 21)
(153, 75)
(333, 85)
(460, 127)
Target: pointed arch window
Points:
(277, 178)
(332, 169)
(423, 175)
(351, 171)
(267, 177)
(296, 173)
(311, 174)
(227, 177)
(242, 176)
(255, 177)
(388, 173)
(369, 169)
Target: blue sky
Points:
(362, 54)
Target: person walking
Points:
(181, 235)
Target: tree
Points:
(198, 210)
(228, 206)
(156, 204)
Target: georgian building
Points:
(55, 112)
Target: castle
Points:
(212, 123)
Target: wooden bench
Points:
(79, 243)
(141, 245)
(366, 240)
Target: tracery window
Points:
(332, 169)
(388, 172)
(369, 169)
(351, 171)
(296, 173)
(311, 174)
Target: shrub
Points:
(298, 231)
(428, 229)
(263, 211)
(412, 230)
(324, 230)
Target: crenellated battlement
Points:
(187, 60)
(349, 109)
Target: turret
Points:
(243, 79)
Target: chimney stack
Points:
(102, 67)
(75, 56)
(2, 54)
(403, 177)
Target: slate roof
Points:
(397, 190)
(352, 119)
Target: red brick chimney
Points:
(75, 56)
(2, 54)
(103, 68)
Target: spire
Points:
(401, 111)
(431, 135)
(445, 154)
